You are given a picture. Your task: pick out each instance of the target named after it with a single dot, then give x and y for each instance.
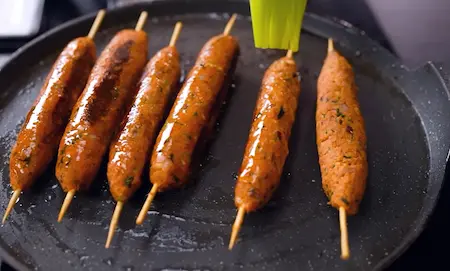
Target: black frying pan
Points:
(406, 116)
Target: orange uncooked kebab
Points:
(268, 142)
(129, 152)
(341, 139)
(38, 140)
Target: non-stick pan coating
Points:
(406, 117)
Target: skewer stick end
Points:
(66, 204)
(114, 221)
(289, 53)
(141, 21)
(236, 227)
(148, 202)
(230, 24)
(11, 204)
(175, 34)
(95, 26)
(330, 45)
(345, 251)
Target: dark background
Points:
(430, 249)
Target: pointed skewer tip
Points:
(66, 204)
(114, 221)
(345, 251)
(11, 204)
(148, 202)
(236, 227)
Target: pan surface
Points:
(406, 117)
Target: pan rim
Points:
(410, 237)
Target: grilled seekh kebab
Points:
(38, 140)
(129, 152)
(267, 146)
(192, 114)
(341, 139)
(100, 109)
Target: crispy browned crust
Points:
(267, 145)
(191, 113)
(38, 140)
(130, 151)
(100, 109)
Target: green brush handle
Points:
(277, 23)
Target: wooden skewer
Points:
(330, 45)
(236, 227)
(114, 221)
(345, 252)
(11, 204)
(66, 204)
(175, 34)
(141, 21)
(289, 53)
(98, 20)
(230, 24)
(146, 206)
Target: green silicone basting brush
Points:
(277, 23)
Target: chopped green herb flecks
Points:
(252, 192)
(339, 113)
(128, 181)
(344, 200)
(26, 160)
(63, 150)
(195, 114)
(67, 160)
(349, 129)
(279, 135)
(281, 113)
(347, 156)
(176, 179)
